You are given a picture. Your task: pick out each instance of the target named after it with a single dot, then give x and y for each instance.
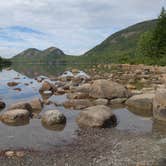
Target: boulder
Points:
(66, 76)
(108, 90)
(96, 116)
(78, 104)
(36, 104)
(141, 102)
(118, 101)
(53, 117)
(100, 102)
(47, 86)
(21, 105)
(2, 105)
(31, 106)
(77, 95)
(159, 105)
(15, 116)
(85, 88)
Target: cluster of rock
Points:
(93, 96)
(21, 112)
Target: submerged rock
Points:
(12, 83)
(15, 116)
(159, 105)
(141, 102)
(53, 117)
(108, 89)
(96, 116)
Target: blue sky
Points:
(74, 26)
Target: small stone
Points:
(9, 153)
(20, 154)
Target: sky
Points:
(74, 26)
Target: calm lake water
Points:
(34, 135)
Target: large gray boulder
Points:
(15, 116)
(108, 89)
(53, 117)
(141, 102)
(159, 105)
(96, 116)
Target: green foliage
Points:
(153, 43)
(120, 47)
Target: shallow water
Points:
(35, 135)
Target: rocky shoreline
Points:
(140, 87)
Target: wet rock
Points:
(21, 105)
(60, 91)
(26, 84)
(81, 77)
(40, 78)
(142, 102)
(159, 105)
(53, 117)
(118, 101)
(12, 83)
(77, 95)
(96, 116)
(47, 86)
(78, 104)
(15, 116)
(108, 89)
(2, 105)
(66, 76)
(31, 106)
(17, 89)
(101, 102)
(36, 104)
(85, 88)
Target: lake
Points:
(34, 135)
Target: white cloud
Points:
(72, 25)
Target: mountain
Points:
(120, 45)
(32, 55)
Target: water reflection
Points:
(57, 127)
(143, 113)
(35, 70)
(18, 123)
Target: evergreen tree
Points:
(153, 43)
(160, 34)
